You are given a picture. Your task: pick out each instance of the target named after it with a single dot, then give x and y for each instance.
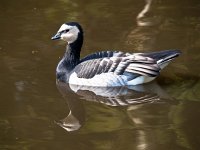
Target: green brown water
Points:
(31, 104)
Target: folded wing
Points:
(118, 63)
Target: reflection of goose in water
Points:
(116, 96)
(141, 16)
(76, 116)
(122, 96)
(145, 20)
(143, 36)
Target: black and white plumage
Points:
(106, 68)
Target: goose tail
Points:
(163, 57)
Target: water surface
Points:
(33, 108)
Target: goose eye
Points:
(66, 30)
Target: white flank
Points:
(140, 80)
(102, 80)
(108, 80)
(100, 91)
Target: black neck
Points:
(72, 54)
(70, 59)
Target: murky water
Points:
(38, 113)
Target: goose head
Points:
(69, 32)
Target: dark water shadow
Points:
(118, 97)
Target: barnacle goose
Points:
(106, 68)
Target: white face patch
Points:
(69, 36)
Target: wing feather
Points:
(104, 54)
(124, 62)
